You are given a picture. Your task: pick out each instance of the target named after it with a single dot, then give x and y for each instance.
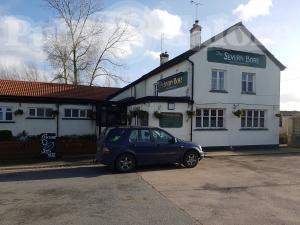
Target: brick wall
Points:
(16, 150)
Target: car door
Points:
(168, 150)
(141, 142)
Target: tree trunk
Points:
(75, 67)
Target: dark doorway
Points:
(110, 115)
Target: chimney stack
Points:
(164, 57)
(195, 35)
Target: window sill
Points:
(39, 118)
(7, 122)
(248, 93)
(171, 127)
(77, 119)
(210, 129)
(219, 91)
(253, 129)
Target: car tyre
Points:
(125, 163)
(190, 159)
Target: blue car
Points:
(124, 148)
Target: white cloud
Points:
(253, 9)
(290, 79)
(266, 41)
(156, 22)
(132, 38)
(147, 26)
(20, 41)
(152, 54)
(148, 23)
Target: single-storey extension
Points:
(35, 108)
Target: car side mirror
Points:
(173, 141)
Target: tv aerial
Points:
(162, 36)
(196, 4)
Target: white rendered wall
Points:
(267, 88)
(38, 126)
(145, 88)
(76, 126)
(267, 95)
(182, 133)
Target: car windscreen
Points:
(115, 136)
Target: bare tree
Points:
(26, 72)
(105, 55)
(58, 51)
(90, 48)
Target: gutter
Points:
(192, 107)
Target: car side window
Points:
(161, 137)
(115, 136)
(133, 137)
(145, 135)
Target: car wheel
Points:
(125, 163)
(190, 159)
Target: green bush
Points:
(5, 135)
(283, 138)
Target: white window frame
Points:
(4, 110)
(79, 113)
(35, 112)
(247, 80)
(155, 89)
(218, 80)
(201, 117)
(85, 113)
(259, 117)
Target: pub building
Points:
(222, 93)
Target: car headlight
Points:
(200, 147)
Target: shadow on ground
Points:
(83, 171)
(61, 173)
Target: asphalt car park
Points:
(222, 190)
(235, 190)
(84, 195)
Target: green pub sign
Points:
(220, 55)
(172, 82)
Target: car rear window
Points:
(115, 136)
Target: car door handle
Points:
(133, 144)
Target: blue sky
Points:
(274, 22)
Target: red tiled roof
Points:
(54, 90)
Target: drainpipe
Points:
(57, 120)
(192, 108)
(98, 119)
